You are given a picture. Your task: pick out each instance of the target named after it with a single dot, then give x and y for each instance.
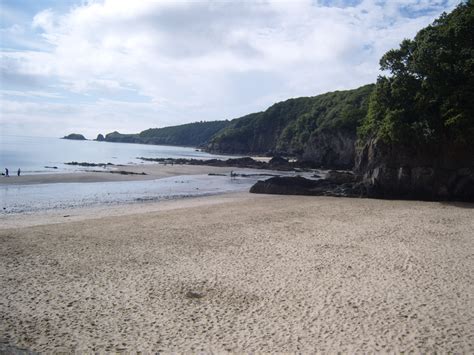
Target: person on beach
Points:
(18, 172)
(6, 172)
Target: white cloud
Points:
(31, 93)
(44, 20)
(211, 60)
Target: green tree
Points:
(429, 96)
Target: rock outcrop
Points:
(100, 138)
(340, 184)
(441, 172)
(245, 162)
(332, 148)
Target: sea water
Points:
(57, 196)
(35, 155)
(42, 197)
(32, 155)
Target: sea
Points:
(34, 155)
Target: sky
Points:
(94, 67)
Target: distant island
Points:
(75, 137)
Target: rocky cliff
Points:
(419, 130)
(332, 148)
(438, 172)
(321, 129)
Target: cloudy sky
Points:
(97, 66)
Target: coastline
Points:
(242, 272)
(132, 184)
(75, 214)
(152, 171)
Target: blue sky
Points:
(96, 66)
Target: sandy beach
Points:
(152, 172)
(242, 272)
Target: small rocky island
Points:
(75, 137)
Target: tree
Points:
(429, 96)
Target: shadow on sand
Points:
(469, 205)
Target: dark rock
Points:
(100, 138)
(245, 162)
(278, 162)
(341, 177)
(441, 172)
(331, 149)
(123, 172)
(284, 185)
(75, 163)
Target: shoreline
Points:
(152, 171)
(140, 184)
(74, 214)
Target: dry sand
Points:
(152, 171)
(245, 273)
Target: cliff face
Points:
(334, 149)
(320, 129)
(419, 131)
(441, 172)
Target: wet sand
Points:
(152, 171)
(243, 272)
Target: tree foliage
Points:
(190, 134)
(429, 96)
(289, 125)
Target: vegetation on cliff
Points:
(190, 134)
(429, 96)
(122, 138)
(340, 111)
(290, 125)
(417, 139)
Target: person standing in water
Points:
(19, 172)
(6, 172)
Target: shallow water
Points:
(33, 154)
(40, 197)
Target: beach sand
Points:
(152, 171)
(243, 272)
